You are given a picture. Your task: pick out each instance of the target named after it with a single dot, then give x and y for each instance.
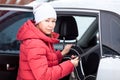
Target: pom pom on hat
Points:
(43, 11)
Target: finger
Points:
(73, 56)
(77, 58)
(69, 45)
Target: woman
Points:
(38, 59)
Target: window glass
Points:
(110, 32)
(83, 23)
(10, 22)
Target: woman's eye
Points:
(47, 20)
(54, 21)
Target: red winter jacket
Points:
(38, 59)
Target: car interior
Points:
(67, 28)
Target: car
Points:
(92, 26)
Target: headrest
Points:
(66, 26)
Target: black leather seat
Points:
(66, 26)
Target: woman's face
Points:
(47, 26)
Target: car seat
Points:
(66, 26)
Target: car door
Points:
(11, 18)
(110, 46)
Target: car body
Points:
(92, 26)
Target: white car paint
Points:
(109, 5)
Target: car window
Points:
(10, 21)
(110, 31)
(83, 23)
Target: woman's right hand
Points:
(75, 61)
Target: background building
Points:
(19, 2)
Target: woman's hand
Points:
(66, 49)
(75, 61)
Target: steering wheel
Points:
(75, 50)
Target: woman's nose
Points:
(51, 24)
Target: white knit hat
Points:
(43, 11)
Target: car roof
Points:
(108, 5)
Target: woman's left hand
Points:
(66, 49)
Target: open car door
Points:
(110, 46)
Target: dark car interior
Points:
(8, 66)
(68, 30)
